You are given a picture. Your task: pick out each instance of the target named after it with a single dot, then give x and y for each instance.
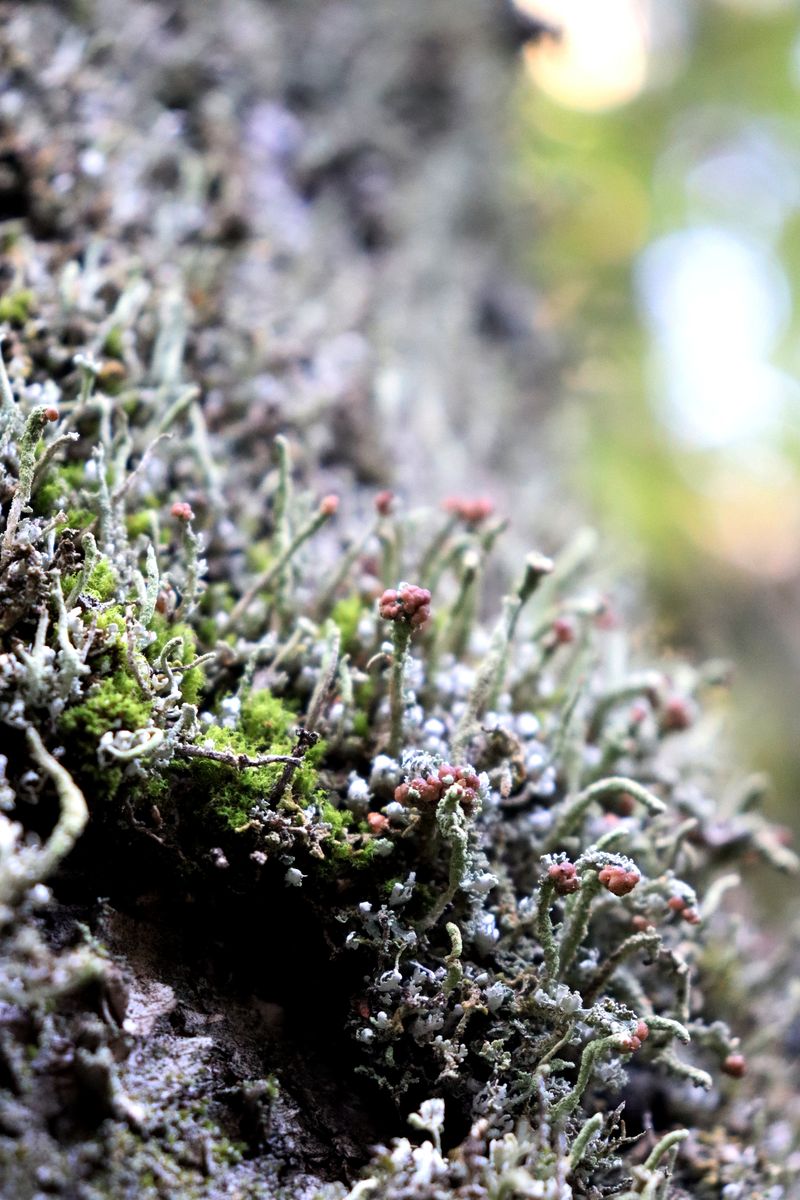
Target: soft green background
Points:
(711, 145)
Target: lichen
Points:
(496, 837)
(479, 864)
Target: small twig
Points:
(306, 738)
(186, 750)
(327, 675)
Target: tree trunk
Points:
(311, 193)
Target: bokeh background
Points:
(660, 146)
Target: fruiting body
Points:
(406, 604)
(618, 880)
(564, 877)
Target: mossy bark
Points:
(315, 193)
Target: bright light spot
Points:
(600, 61)
(715, 305)
(750, 180)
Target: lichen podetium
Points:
(494, 836)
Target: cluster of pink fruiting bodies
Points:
(429, 789)
(407, 603)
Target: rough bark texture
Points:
(311, 194)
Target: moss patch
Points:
(113, 703)
(16, 307)
(346, 614)
(265, 726)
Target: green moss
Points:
(266, 726)
(113, 703)
(111, 621)
(102, 581)
(80, 518)
(347, 613)
(16, 307)
(344, 849)
(258, 557)
(364, 695)
(339, 819)
(192, 684)
(61, 490)
(192, 681)
(228, 793)
(138, 523)
(69, 477)
(360, 723)
(341, 856)
(112, 346)
(47, 497)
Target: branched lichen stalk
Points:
(192, 547)
(49, 454)
(342, 571)
(663, 1147)
(401, 636)
(650, 1185)
(544, 928)
(587, 1134)
(644, 684)
(433, 553)
(669, 1060)
(27, 468)
(492, 669)
(32, 865)
(567, 1104)
(580, 912)
(453, 825)
(463, 611)
(455, 971)
(575, 808)
(645, 940)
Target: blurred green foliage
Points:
(711, 144)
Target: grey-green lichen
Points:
(478, 866)
(515, 846)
